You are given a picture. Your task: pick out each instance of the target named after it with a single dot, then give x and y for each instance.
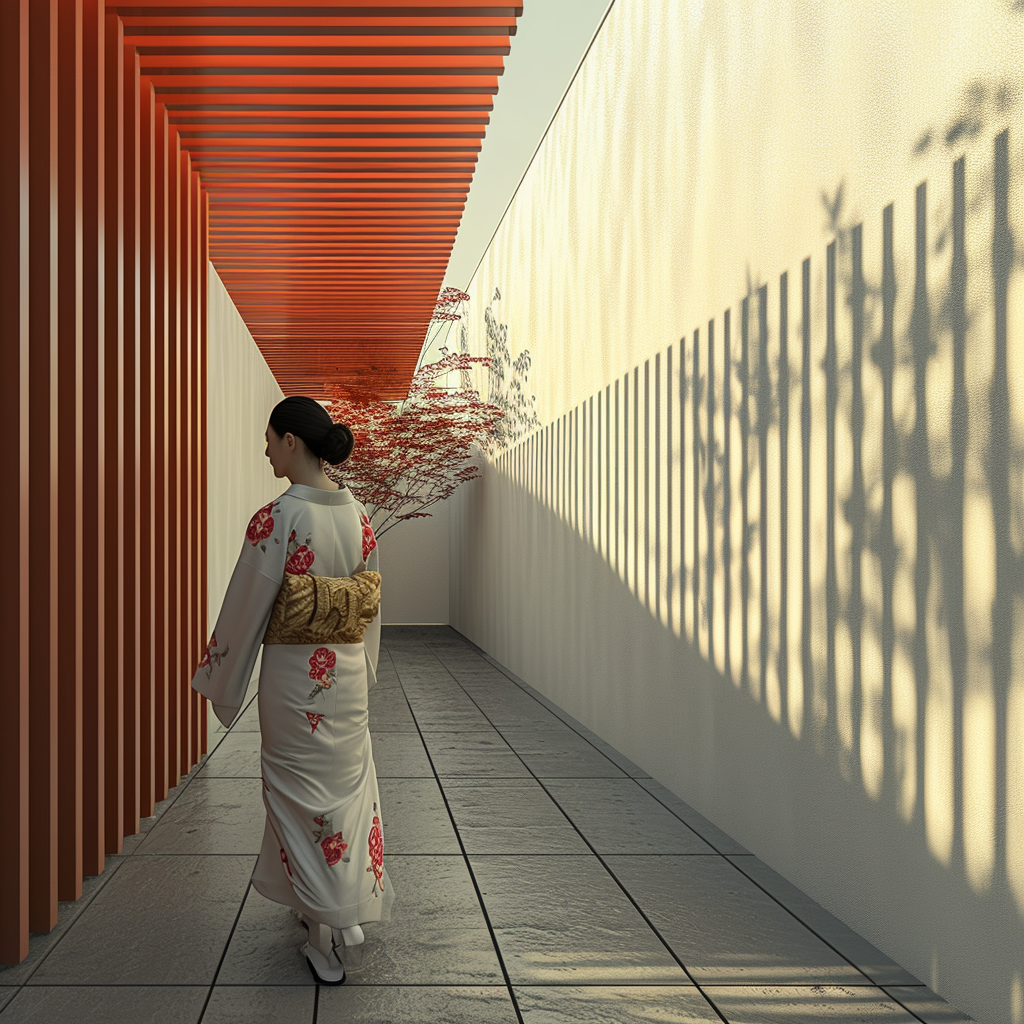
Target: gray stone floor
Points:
(540, 878)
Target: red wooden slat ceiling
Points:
(338, 142)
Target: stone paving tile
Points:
(68, 911)
(416, 1005)
(723, 928)
(105, 1004)
(476, 753)
(264, 946)
(752, 1004)
(634, 771)
(437, 934)
(146, 825)
(624, 1004)
(400, 755)
(249, 719)
(873, 962)
(563, 920)
(389, 711)
(512, 709)
(926, 1005)
(211, 816)
(560, 754)
(415, 818)
(260, 1004)
(619, 816)
(447, 714)
(237, 756)
(708, 831)
(529, 820)
(159, 921)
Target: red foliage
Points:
(410, 456)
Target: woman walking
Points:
(306, 586)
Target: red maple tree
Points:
(412, 455)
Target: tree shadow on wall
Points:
(508, 380)
(761, 392)
(959, 468)
(907, 638)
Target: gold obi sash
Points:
(324, 610)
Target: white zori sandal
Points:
(326, 969)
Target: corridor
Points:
(539, 877)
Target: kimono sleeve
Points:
(226, 667)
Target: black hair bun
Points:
(337, 444)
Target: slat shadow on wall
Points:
(821, 491)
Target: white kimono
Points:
(323, 843)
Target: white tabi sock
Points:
(320, 937)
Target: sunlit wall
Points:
(756, 316)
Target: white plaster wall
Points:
(414, 567)
(241, 393)
(870, 753)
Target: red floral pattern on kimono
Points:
(376, 846)
(332, 843)
(369, 540)
(261, 526)
(321, 670)
(314, 721)
(334, 847)
(284, 861)
(300, 557)
(212, 656)
(321, 663)
(300, 562)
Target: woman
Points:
(323, 847)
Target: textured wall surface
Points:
(414, 565)
(756, 315)
(242, 391)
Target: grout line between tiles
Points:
(497, 665)
(469, 867)
(185, 781)
(224, 952)
(573, 825)
(643, 983)
(820, 938)
(900, 1002)
(106, 875)
(438, 654)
